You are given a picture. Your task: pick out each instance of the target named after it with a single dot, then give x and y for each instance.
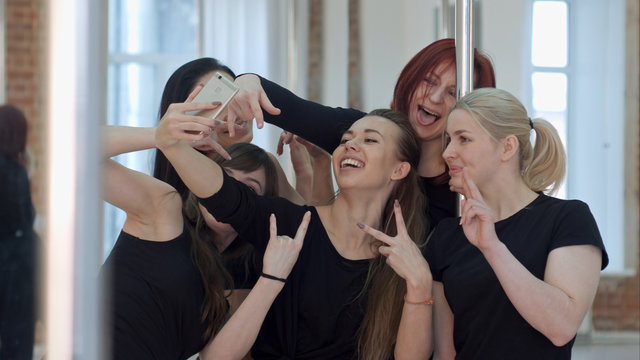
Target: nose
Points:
(436, 94)
(448, 152)
(351, 145)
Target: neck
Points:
(507, 196)
(431, 161)
(222, 239)
(341, 217)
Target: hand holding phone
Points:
(218, 88)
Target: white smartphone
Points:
(218, 88)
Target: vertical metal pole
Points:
(444, 21)
(76, 79)
(464, 51)
(464, 46)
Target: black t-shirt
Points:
(486, 324)
(155, 307)
(318, 312)
(324, 126)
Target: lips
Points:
(455, 170)
(426, 117)
(351, 163)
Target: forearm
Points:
(201, 175)
(124, 139)
(319, 124)
(323, 191)
(554, 312)
(415, 332)
(240, 332)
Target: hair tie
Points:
(530, 123)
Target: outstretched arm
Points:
(153, 207)
(322, 125)
(240, 332)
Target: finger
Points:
(273, 228)
(400, 225)
(379, 235)
(194, 93)
(462, 203)
(384, 250)
(471, 190)
(302, 229)
(280, 148)
(220, 150)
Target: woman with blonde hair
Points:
(515, 274)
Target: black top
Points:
(318, 312)
(486, 324)
(242, 263)
(155, 307)
(324, 126)
(16, 209)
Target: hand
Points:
(402, 253)
(476, 217)
(248, 103)
(282, 251)
(176, 125)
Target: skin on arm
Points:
(443, 325)
(285, 189)
(414, 339)
(322, 192)
(153, 207)
(554, 306)
(239, 333)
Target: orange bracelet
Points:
(426, 302)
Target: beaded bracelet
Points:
(425, 302)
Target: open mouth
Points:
(426, 117)
(351, 163)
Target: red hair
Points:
(438, 52)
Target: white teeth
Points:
(429, 112)
(351, 163)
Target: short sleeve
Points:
(576, 225)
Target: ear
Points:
(510, 147)
(401, 171)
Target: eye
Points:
(343, 141)
(430, 81)
(253, 189)
(370, 140)
(452, 93)
(464, 139)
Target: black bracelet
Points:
(273, 277)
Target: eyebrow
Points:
(457, 132)
(350, 132)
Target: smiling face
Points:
(366, 156)
(470, 148)
(431, 102)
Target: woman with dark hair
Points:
(424, 92)
(344, 297)
(180, 84)
(515, 275)
(18, 240)
(166, 277)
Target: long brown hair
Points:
(385, 288)
(244, 157)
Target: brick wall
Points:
(24, 55)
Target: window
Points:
(576, 68)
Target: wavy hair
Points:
(385, 288)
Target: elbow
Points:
(562, 335)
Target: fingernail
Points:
(360, 225)
(216, 103)
(396, 203)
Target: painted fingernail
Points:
(216, 103)
(396, 203)
(360, 225)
